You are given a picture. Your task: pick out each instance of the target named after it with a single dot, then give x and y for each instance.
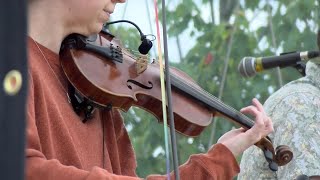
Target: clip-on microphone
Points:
(146, 44)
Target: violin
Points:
(108, 75)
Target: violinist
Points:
(60, 146)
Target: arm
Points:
(218, 163)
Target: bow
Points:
(167, 94)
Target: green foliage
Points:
(129, 37)
(294, 24)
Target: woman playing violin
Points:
(60, 146)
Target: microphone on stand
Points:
(249, 66)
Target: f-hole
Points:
(148, 86)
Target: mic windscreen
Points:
(246, 67)
(145, 46)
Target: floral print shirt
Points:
(295, 112)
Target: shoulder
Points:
(296, 94)
(294, 108)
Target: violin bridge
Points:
(141, 63)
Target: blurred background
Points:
(207, 40)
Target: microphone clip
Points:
(300, 67)
(146, 44)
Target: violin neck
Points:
(211, 102)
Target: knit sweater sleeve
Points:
(38, 167)
(218, 164)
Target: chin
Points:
(90, 30)
(97, 29)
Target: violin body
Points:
(108, 75)
(108, 82)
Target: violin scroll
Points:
(280, 156)
(283, 155)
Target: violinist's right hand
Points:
(238, 140)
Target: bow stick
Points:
(168, 90)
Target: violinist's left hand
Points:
(238, 140)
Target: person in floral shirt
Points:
(295, 111)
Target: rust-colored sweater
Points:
(61, 147)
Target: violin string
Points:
(56, 76)
(215, 99)
(221, 104)
(134, 56)
(196, 88)
(201, 91)
(204, 93)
